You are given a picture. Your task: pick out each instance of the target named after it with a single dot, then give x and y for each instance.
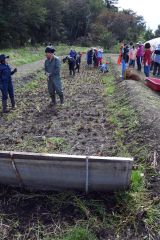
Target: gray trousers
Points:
(54, 86)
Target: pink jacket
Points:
(140, 51)
(132, 54)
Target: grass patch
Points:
(26, 55)
(56, 143)
(137, 181)
(31, 83)
(78, 234)
(30, 86)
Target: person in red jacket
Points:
(147, 59)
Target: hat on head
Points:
(3, 57)
(50, 49)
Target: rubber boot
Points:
(4, 106)
(61, 98)
(53, 100)
(13, 103)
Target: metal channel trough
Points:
(63, 172)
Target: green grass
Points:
(137, 181)
(32, 85)
(31, 54)
(56, 143)
(25, 55)
(78, 234)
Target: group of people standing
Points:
(142, 55)
(52, 71)
(94, 57)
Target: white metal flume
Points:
(154, 43)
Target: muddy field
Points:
(79, 126)
(96, 119)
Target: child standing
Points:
(139, 56)
(125, 58)
(147, 59)
(6, 84)
(132, 57)
(100, 56)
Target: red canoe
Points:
(153, 83)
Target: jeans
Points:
(156, 68)
(139, 63)
(147, 70)
(123, 68)
(132, 63)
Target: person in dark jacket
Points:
(95, 57)
(6, 85)
(125, 59)
(90, 58)
(71, 63)
(52, 71)
(78, 61)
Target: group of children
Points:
(142, 55)
(94, 57)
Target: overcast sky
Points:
(150, 10)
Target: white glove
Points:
(48, 74)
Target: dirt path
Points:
(27, 69)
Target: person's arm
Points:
(46, 70)
(144, 59)
(45, 67)
(14, 71)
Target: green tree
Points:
(20, 21)
(124, 25)
(157, 32)
(148, 34)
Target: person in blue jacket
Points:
(6, 85)
(73, 54)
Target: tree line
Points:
(81, 21)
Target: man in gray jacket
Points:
(52, 71)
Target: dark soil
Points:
(81, 123)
